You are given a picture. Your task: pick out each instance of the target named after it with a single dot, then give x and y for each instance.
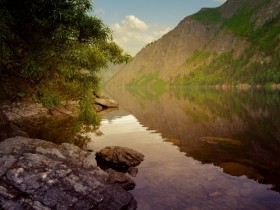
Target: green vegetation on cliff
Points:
(209, 16)
(237, 43)
(259, 64)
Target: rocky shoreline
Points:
(38, 174)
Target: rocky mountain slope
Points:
(236, 43)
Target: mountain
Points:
(236, 43)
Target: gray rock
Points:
(120, 179)
(120, 156)
(35, 174)
(8, 129)
(106, 102)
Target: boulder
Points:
(36, 174)
(8, 129)
(106, 102)
(120, 179)
(120, 157)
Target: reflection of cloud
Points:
(133, 34)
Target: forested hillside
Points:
(237, 43)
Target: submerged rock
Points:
(35, 174)
(121, 157)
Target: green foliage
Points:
(278, 53)
(21, 94)
(198, 57)
(266, 37)
(48, 98)
(88, 115)
(207, 74)
(239, 24)
(208, 16)
(225, 69)
(56, 43)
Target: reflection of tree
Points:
(204, 123)
(58, 130)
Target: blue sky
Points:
(136, 23)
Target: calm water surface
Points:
(204, 149)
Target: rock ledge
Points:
(35, 174)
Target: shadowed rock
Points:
(35, 174)
(120, 157)
(8, 129)
(120, 179)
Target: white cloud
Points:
(133, 23)
(132, 34)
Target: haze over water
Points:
(204, 149)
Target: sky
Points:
(135, 23)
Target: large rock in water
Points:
(120, 156)
(35, 174)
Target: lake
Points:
(204, 148)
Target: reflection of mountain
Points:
(236, 130)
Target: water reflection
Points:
(238, 131)
(57, 130)
(167, 179)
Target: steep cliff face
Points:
(222, 44)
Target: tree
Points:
(57, 45)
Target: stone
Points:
(106, 102)
(120, 157)
(21, 111)
(42, 175)
(132, 171)
(97, 107)
(120, 179)
(8, 129)
(60, 111)
(100, 95)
